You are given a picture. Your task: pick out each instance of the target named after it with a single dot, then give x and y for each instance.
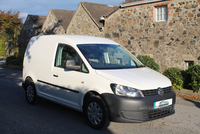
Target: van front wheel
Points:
(96, 113)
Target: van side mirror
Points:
(71, 64)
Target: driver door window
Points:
(64, 53)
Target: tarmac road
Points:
(18, 117)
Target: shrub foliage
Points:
(194, 73)
(175, 75)
(149, 62)
(10, 27)
(2, 48)
(15, 60)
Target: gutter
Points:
(107, 15)
(139, 3)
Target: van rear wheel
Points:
(96, 113)
(31, 94)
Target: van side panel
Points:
(39, 60)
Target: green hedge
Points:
(15, 60)
(149, 62)
(176, 77)
(194, 74)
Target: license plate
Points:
(163, 103)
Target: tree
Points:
(10, 26)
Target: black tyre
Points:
(96, 113)
(31, 94)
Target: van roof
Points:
(77, 39)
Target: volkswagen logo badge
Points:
(160, 91)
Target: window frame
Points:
(81, 61)
(160, 13)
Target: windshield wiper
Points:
(140, 66)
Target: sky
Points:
(42, 7)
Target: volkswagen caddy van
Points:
(95, 76)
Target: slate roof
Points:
(64, 16)
(127, 3)
(36, 20)
(96, 11)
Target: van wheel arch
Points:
(96, 113)
(87, 96)
(28, 80)
(30, 91)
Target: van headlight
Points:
(126, 91)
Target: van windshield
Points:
(108, 56)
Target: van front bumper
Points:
(127, 109)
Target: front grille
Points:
(167, 89)
(159, 112)
(150, 92)
(155, 91)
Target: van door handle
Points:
(55, 75)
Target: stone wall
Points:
(171, 43)
(52, 25)
(32, 27)
(82, 24)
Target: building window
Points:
(161, 13)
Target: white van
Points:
(96, 76)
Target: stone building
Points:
(32, 27)
(89, 19)
(57, 21)
(168, 31)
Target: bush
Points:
(15, 60)
(2, 48)
(194, 73)
(149, 62)
(187, 79)
(175, 75)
